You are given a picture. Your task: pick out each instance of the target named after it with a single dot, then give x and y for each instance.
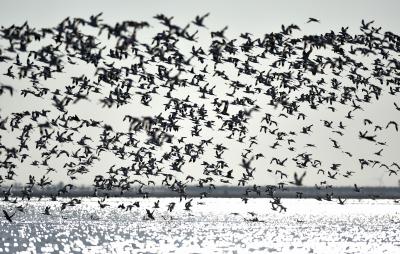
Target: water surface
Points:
(214, 225)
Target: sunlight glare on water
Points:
(212, 225)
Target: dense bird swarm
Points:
(189, 103)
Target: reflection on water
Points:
(212, 225)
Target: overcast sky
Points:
(256, 16)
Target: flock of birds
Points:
(214, 94)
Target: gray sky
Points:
(256, 17)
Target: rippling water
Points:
(212, 225)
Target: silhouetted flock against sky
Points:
(152, 97)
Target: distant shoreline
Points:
(226, 192)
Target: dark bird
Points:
(8, 217)
(341, 201)
(7, 88)
(394, 124)
(47, 210)
(397, 107)
(313, 20)
(149, 214)
(200, 19)
(299, 180)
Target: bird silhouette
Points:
(8, 216)
(313, 20)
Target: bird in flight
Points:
(313, 20)
(8, 216)
(198, 21)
